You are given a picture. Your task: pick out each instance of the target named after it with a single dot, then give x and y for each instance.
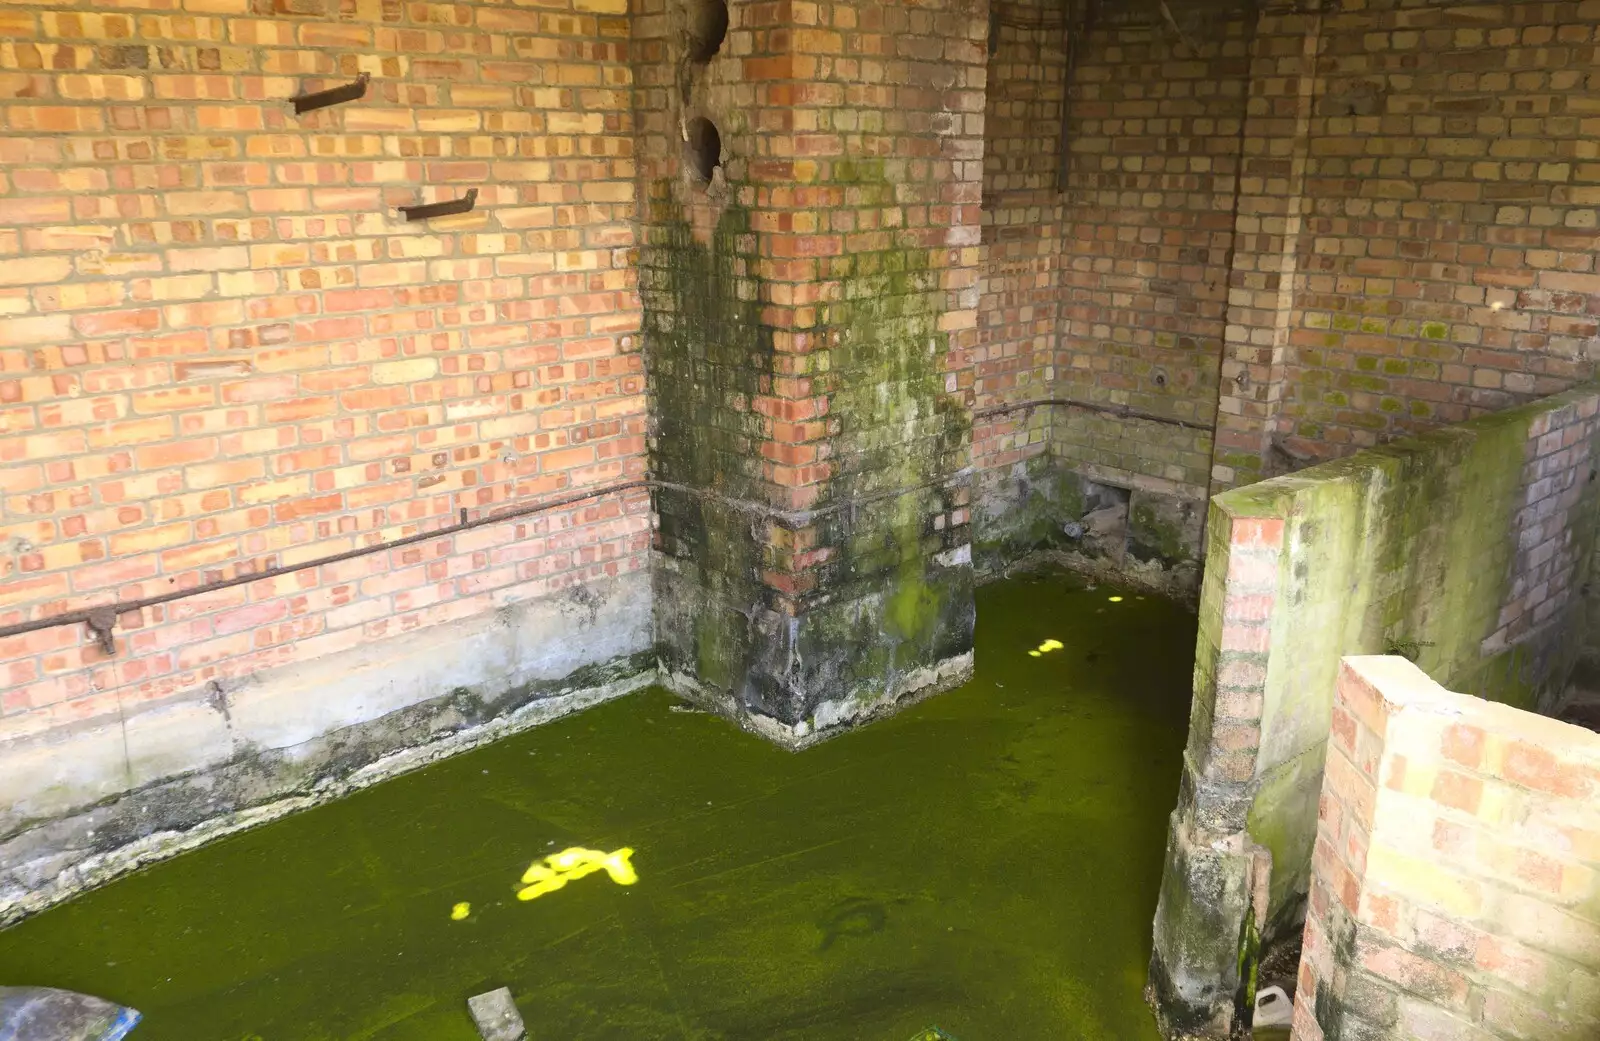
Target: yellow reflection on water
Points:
(556, 870)
(1047, 647)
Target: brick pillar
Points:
(1213, 904)
(809, 311)
(1268, 219)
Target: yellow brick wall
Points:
(1456, 871)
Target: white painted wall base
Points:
(84, 803)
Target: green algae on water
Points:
(986, 860)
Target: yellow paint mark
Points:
(460, 911)
(558, 869)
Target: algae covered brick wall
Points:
(1457, 869)
(1448, 256)
(1290, 231)
(809, 282)
(1415, 241)
(1462, 549)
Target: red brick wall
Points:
(1456, 870)
(1449, 257)
(1149, 229)
(1022, 253)
(223, 350)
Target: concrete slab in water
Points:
(497, 1017)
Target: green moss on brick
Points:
(896, 430)
(706, 352)
(885, 599)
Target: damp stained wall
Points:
(224, 351)
(809, 298)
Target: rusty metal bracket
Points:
(304, 103)
(102, 621)
(441, 209)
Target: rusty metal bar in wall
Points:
(1117, 411)
(1076, 29)
(101, 619)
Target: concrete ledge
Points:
(88, 802)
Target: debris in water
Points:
(1273, 1008)
(460, 911)
(496, 1016)
(44, 1014)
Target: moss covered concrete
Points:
(1408, 548)
(1022, 510)
(1035, 511)
(706, 353)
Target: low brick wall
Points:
(1463, 549)
(1454, 887)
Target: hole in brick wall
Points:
(708, 27)
(702, 147)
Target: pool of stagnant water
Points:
(985, 861)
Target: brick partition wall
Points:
(1463, 549)
(1457, 869)
(222, 350)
